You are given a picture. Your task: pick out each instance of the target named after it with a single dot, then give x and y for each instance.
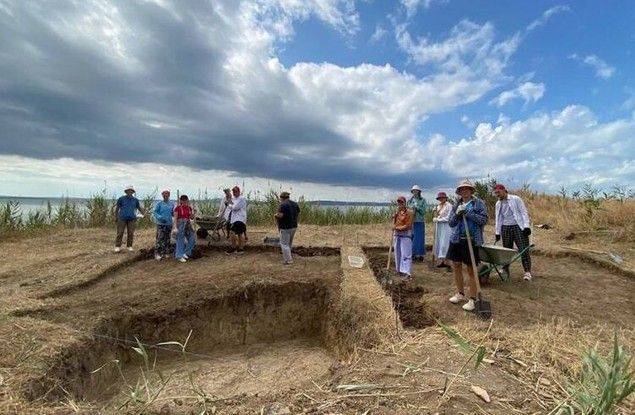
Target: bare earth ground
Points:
(58, 290)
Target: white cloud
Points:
(471, 48)
(527, 91)
(602, 69)
(568, 147)
(379, 33)
(546, 15)
(412, 6)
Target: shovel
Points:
(483, 308)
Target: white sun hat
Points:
(415, 187)
(129, 188)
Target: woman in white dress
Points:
(442, 229)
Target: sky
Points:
(331, 99)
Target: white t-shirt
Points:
(238, 209)
(507, 215)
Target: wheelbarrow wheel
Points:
(202, 233)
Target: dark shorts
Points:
(459, 252)
(239, 228)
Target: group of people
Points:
(456, 225)
(176, 219)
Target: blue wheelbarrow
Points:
(497, 258)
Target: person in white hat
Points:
(418, 206)
(126, 216)
(475, 213)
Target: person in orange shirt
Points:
(402, 237)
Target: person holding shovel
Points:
(402, 237)
(474, 211)
(182, 226)
(512, 223)
(126, 215)
(418, 205)
(287, 220)
(442, 229)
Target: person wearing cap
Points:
(182, 226)
(418, 206)
(475, 213)
(223, 210)
(513, 225)
(238, 221)
(126, 215)
(442, 229)
(287, 220)
(402, 237)
(163, 217)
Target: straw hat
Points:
(129, 188)
(415, 187)
(465, 183)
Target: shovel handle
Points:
(471, 249)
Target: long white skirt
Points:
(403, 253)
(441, 239)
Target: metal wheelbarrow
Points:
(210, 225)
(497, 258)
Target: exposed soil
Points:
(263, 334)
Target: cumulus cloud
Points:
(567, 147)
(198, 84)
(602, 69)
(527, 91)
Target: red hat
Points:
(441, 194)
(236, 189)
(401, 199)
(500, 187)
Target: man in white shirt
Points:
(238, 220)
(513, 225)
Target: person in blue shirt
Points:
(126, 214)
(475, 213)
(163, 212)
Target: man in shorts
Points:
(238, 221)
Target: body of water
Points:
(30, 204)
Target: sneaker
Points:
(457, 298)
(117, 249)
(130, 249)
(185, 256)
(158, 257)
(182, 259)
(527, 276)
(469, 306)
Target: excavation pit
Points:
(257, 328)
(408, 297)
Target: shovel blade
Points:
(483, 308)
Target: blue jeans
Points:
(185, 239)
